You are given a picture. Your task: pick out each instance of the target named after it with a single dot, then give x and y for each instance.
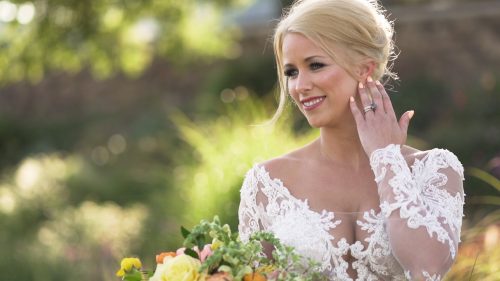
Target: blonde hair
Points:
(349, 31)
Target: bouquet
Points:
(212, 252)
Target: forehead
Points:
(296, 47)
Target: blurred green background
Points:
(120, 121)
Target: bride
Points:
(357, 199)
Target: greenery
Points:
(90, 175)
(240, 259)
(110, 36)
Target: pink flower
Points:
(203, 255)
(206, 252)
(180, 251)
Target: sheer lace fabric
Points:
(413, 236)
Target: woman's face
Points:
(320, 87)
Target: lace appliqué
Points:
(425, 274)
(291, 220)
(374, 258)
(417, 193)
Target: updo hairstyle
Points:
(349, 31)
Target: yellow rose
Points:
(127, 264)
(179, 268)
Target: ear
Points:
(365, 69)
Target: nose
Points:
(303, 83)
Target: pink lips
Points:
(312, 102)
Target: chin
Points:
(315, 123)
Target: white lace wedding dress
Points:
(421, 210)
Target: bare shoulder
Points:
(282, 166)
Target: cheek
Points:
(339, 81)
(291, 90)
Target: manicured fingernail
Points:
(411, 113)
(369, 79)
(360, 85)
(378, 83)
(351, 99)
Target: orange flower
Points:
(161, 256)
(254, 277)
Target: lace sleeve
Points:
(423, 208)
(251, 211)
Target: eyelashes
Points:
(316, 65)
(293, 72)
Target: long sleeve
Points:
(423, 209)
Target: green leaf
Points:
(133, 275)
(200, 242)
(191, 252)
(185, 233)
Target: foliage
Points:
(230, 255)
(57, 207)
(463, 121)
(491, 181)
(479, 255)
(59, 240)
(223, 150)
(71, 203)
(109, 36)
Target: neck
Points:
(342, 145)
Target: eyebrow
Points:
(308, 59)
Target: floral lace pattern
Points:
(419, 197)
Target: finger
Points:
(364, 96)
(404, 121)
(375, 93)
(358, 116)
(386, 99)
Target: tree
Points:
(109, 36)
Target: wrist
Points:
(390, 146)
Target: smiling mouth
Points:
(312, 103)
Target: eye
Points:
(316, 65)
(291, 72)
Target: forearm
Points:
(421, 234)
